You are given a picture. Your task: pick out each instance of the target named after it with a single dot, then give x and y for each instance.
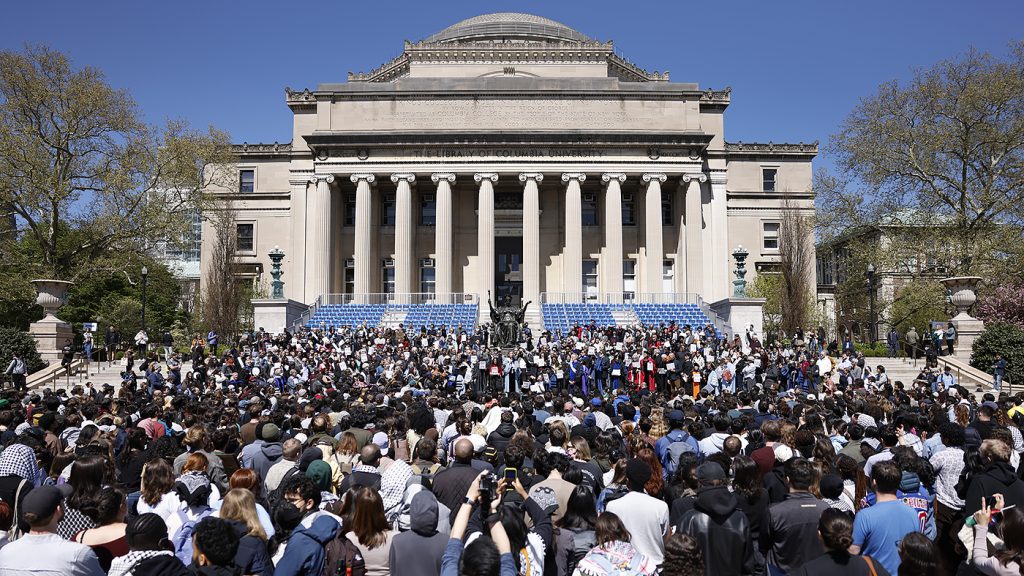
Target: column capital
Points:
(318, 178)
(659, 176)
(698, 176)
(369, 178)
(438, 176)
(580, 176)
(481, 176)
(609, 176)
(410, 178)
(535, 176)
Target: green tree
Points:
(82, 176)
(15, 341)
(945, 153)
(916, 304)
(1005, 339)
(770, 287)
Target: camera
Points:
(489, 487)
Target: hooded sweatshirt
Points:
(997, 478)
(722, 531)
(268, 455)
(423, 541)
(305, 554)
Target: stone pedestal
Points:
(51, 333)
(741, 313)
(963, 295)
(276, 315)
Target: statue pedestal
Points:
(50, 334)
(275, 316)
(967, 331)
(741, 313)
(963, 295)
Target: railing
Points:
(391, 299)
(627, 299)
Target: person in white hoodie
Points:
(714, 442)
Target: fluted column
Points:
(653, 237)
(318, 232)
(719, 237)
(572, 258)
(531, 236)
(611, 267)
(364, 232)
(694, 234)
(403, 233)
(443, 230)
(485, 232)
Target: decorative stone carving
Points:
(609, 176)
(566, 176)
(699, 177)
(410, 178)
(370, 178)
(479, 176)
(962, 294)
(51, 333)
(438, 176)
(798, 148)
(51, 294)
(648, 176)
(536, 176)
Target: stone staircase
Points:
(625, 317)
(906, 370)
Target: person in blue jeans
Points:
(878, 529)
(998, 373)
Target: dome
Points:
(507, 25)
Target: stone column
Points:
(694, 234)
(719, 237)
(572, 258)
(297, 287)
(531, 236)
(318, 234)
(403, 234)
(611, 267)
(443, 230)
(364, 264)
(653, 237)
(485, 232)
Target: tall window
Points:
(428, 276)
(768, 179)
(388, 276)
(350, 212)
(428, 210)
(350, 276)
(668, 275)
(387, 212)
(246, 180)
(666, 210)
(628, 210)
(590, 279)
(770, 236)
(629, 277)
(590, 210)
(244, 241)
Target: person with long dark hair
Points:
(919, 556)
(575, 535)
(683, 556)
(835, 529)
(752, 499)
(88, 477)
(107, 539)
(614, 555)
(370, 532)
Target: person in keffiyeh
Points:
(19, 460)
(392, 487)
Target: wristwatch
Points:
(469, 501)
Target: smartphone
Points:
(510, 474)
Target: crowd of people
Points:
(604, 451)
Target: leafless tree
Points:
(796, 263)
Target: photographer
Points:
(487, 556)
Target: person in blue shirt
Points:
(878, 529)
(998, 373)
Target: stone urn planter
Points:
(51, 294)
(962, 294)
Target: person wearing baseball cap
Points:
(42, 551)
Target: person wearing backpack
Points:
(670, 446)
(193, 489)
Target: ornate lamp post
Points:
(145, 281)
(739, 285)
(276, 286)
(871, 305)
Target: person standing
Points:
(998, 373)
(42, 551)
(211, 341)
(142, 342)
(949, 335)
(878, 529)
(645, 517)
(168, 342)
(912, 339)
(894, 342)
(17, 369)
(67, 354)
(87, 342)
(790, 538)
(111, 341)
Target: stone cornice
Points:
(262, 149)
(298, 100)
(695, 142)
(716, 97)
(771, 149)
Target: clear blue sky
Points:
(796, 68)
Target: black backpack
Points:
(276, 496)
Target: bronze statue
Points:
(508, 322)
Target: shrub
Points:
(880, 349)
(11, 341)
(1005, 339)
